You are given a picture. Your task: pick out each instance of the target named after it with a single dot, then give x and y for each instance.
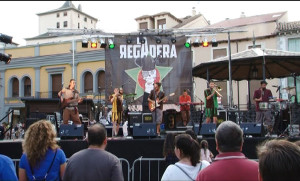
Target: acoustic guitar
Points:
(66, 102)
(152, 105)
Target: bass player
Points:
(157, 97)
(70, 98)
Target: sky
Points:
(19, 20)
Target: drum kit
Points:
(281, 108)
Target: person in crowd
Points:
(191, 133)
(187, 151)
(42, 158)
(279, 160)
(2, 130)
(230, 164)
(7, 169)
(205, 153)
(94, 163)
(168, 149)
(297, 143)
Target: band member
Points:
(184, 101)
(117, 108)
(262, 95)
(157, 96)
(211, 103)
(71, 96)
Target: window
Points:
(57, 15)
(101, 80)
(161, 24)
(27, 87)
(15, 87)
(57, 25)
(88, 82)
(217, 53)
(85, 19)
(56, 84)
(65, 13)
(78, 25)
(65, 24)
(144, 25)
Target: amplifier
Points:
(73, 131)
(253, 129)
(144, 130)
(147, 118)
(135, 117)
(208, 129)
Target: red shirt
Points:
(231, 166)
(265, 98)
(184, 99)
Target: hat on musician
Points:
(263, 82)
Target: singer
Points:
(261, 97)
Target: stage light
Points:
(214, 42)
(5, 57)
(102, 43)
(173, 40)
(158, 40)
(111, 44)
(142, 40)
(188, 43)
(5, 38)
(94, 43)
(196, 43)
(205, 43)
(128, 41)
(84, 43)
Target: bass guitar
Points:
(152, 105)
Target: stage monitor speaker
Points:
(135, 117)
(147, 118)
(253, 129)
(144, 130)
(196, 128)
(208, 129)
(73, 131)
(170, 119)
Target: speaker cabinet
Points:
(208, 129)
(254, 129)
(71, 131)
(144, 130)
(135, 117)
(147, 118)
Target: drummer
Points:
(261, 97)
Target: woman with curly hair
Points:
(42, 158)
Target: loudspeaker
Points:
(196, 128)
(208, 129)
(135, 117)
(253, 129)
(147, 118)
(170, 119)
(71, 131)
(144, 130)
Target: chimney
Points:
(243, 15)
(193, 11)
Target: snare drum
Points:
(264, 106)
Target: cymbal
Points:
(289, 88)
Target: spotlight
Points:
(102, 43)
(173, 40)
(188, 43)
(94, 43)
(111, 44)
(214, 42)
(5, 38)
(196, 43)
(84, 43)
(128, 41)
(5, 57)
(142, 40)
(158, 40)
(205, 43)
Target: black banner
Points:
(136, 66)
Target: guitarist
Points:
(184, 101)
(70, 96)
(154, 96)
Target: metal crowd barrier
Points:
(122, 160)
(158, 160)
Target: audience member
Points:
(297, 143)
(42, 158)
(168, 149)
(2, 130)
(191, 133)
(230, 164)
(187, 151)
(7, 169)
(279, 160)
(94, 163)
(205, 153)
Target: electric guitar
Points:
(66, 102)
(152, 105)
